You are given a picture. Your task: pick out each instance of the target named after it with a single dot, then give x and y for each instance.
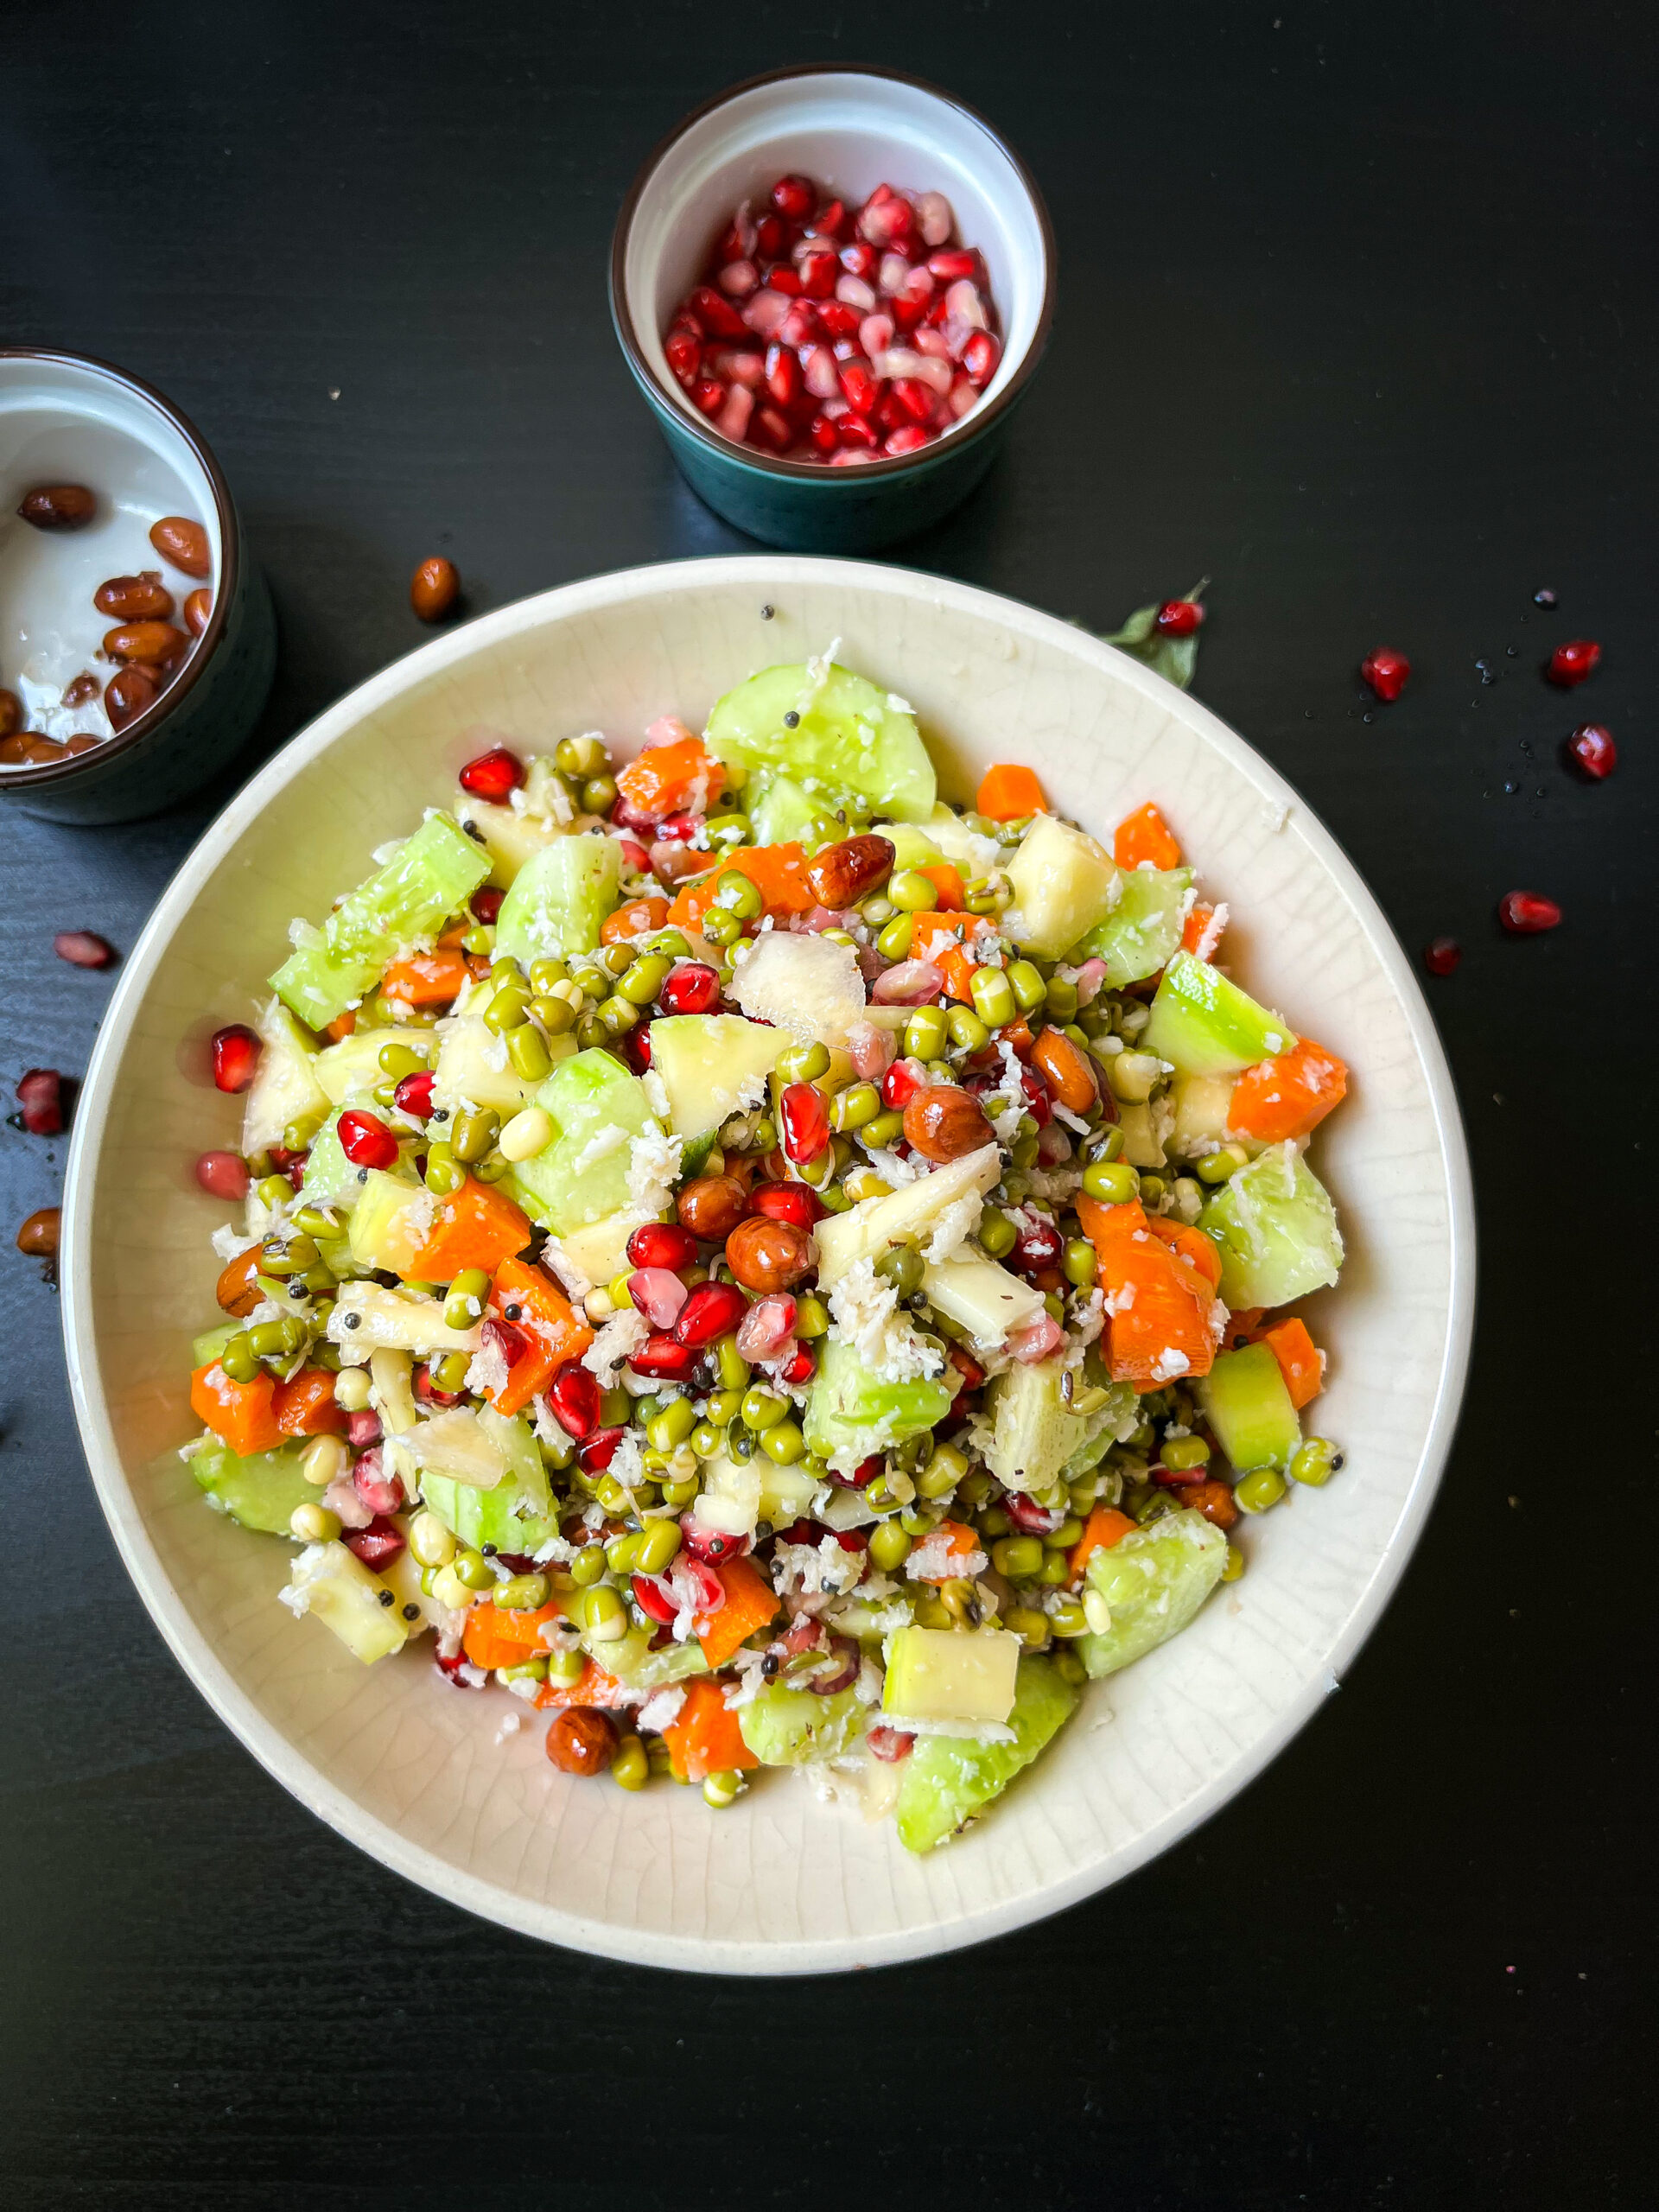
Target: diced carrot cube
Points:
(1290, 1095)
(679, 777)
(630, 920)
(705, 1737)
(304, 1406)
(426, 978)
(545, 1318)
(1298, 1357)
(239, 1414)
(1008, 790)
(1105, 1527)
(1161, 1332)
(750, 1603)
(1144, 835)
(478, 1227)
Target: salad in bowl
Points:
(760, 1267)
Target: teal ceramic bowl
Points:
(851, 129)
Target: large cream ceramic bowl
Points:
(412, 1770)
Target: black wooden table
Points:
(1357, 317)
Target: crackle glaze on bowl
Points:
(409, 1769)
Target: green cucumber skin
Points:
(892, 773)
(785, 1727)
(948, 1779)
(1277, 1231)
(846, 1404)
(260, 1492)
(586, 1095)
(1143, 932)
(559, 900)
(1154, 1581)
(1249, 1408)
(1202, 1024)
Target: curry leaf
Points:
(1177, 658)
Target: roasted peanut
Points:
(127, 695)
(943, 1122)
(237, 1291)
(135, 599)
(183, 543)
(197, 608)
(84, 741)
(582, 1741)
(152, 642)
(766, 1255)
(58, 506)
(1213, 1500)
(39, 1234)
(81, 690)
(711, 1206)
(26, 748)
(11, 713)
(1066, 1070)
(842, 874)
(434, 588)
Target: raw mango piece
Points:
(784, 1727)
(1204, 1024)
(559, 899)
(331, 1583)
(260, 1492)
(1277, 1230)
(908, 1216)
(1143, 931)
(939, 1674)
(367, 1316)
(1034, 1433)
(286, 1086)
(595, 1107)
(807, 987)
(509, 838)
(980, 1297)
(1247, 1405)
(947, 1780)
(1153, 1582)
(850, 736)
(1064, 885)
(351, 1069)
(431, 876)
(390, 1217)
(705, 1060)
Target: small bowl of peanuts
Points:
(137, 639)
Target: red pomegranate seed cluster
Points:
(826, 333)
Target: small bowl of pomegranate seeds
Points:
(833, 286)
(137, 641)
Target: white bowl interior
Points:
(68, 422)
(849, 132)
(410, 1769)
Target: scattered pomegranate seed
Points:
(1441, 954)
(365, 1140)
(413, 1095)
(800, 1369)
(597, 1453)
(714, 1309)
(655, 1598)
(1179, 617)
(1386, 671)
(223, 1175)
(494, 775)
(889, 1744)
(636, 1042)
(81, 949)
(236, 1055)
(690, 987)
(574, 1396)
(1571, 663)
(1039, 1244)
(1526, 913)
(805, 1120)
(1592, 750)
(487, 905)
(1030, 1518)
(791, 1202)
(710, 1545)
(663, 1358)
(794, 198)
(39, 1094)
(662, 1244)
(378, 1545)
(901, 1083)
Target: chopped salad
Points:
(761, 1267)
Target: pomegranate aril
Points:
(875, 334)
(413, 1095)
(1571, 663)
(600, 1448)
(902, 1083)
(1592, 750)
(236, 1055)
(819, 374)
(738, 279)
(781, 278)
(365, 1140)
(737, 242)
(910, 439)
(223, 1175)
(800, 326)
(81, 949)
(1525, 913)
(710, 1545)
(1038, 1244)
(1030, 1518)
(655, 1599)
(378, 1545)
(733, 420)
(363, 1429)
(683, 348)
(934, 219)
(906, 310)
(494, 775)
(709, 395)
(659, 1295)
(662, 1244)
(804, 1123)
(783, 375)
(854, 292)
(486, 904)
(857, 432)
(768, 239)
(818, 272)
(892, 273)
(858, 383)
(980, 357)
(801, 1368)
(859, 259)
(963, 396)
(1178, 617)
(714, 1309)
(794, 198)
(890, 1744)
(792, 1202)
(822, 434)
(768, 1327)
(715, 315)
(953, 261)
(690, 987)
(574, 1396)
(771, 429)
(837, 319)
(764, 312)
(1441, 954)
(1386, 671)
(914, 396)
(963, 304)
(663, 1358)
(830, 221)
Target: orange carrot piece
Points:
(1163, 1332)
(305, 1405)
(1105, 1527)
(592, 1686)
(1194, 927)
(946, 879)
(1289, 1096)
(680, 777)
(705, 1737)
(1192, 1244)
(961, 1543)
(239, 1414)
(478, 1227)
(750, 1604)
(778, 871)
(493, 1637)
(1241, 1328)
(545, 1318)
(1298, 1357)
(426, 978)
(1007, 791)
(638, 915)
(1144, 835)
(342, 1025)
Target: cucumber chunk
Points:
(1277, 1230)
(595, 1107)
(942, 1673)
(850, 736)
(1154, 1581)
(785, 1727)
(431, 876)
(851, 1412)
(473, 1069)
(477, 1517)
(1064, 885)
(389, 1220)
(781, 813)
(705, 1060)
(980, 1297)
(1203, 1025)
(559, 899)
(1249, 1408)
(1143, 932)
(947, 1780)
(260, 1492)
(631, 1661)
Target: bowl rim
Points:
(39, 773)
(198, 1655)
(973, 428)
